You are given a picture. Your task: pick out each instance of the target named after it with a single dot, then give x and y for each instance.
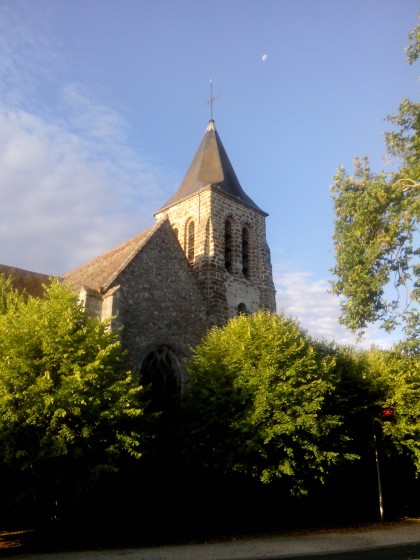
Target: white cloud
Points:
(95, 120)
(71, 186)
(308, 300)
(67, 197)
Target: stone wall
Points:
(158, 302)
(225, 291)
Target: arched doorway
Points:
(160, 376)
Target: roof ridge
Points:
(101, 255)
(147, 234)
(99, 272)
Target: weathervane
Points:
(211, 100)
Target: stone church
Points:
(204, 261)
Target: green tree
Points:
(260, 396)
(69, 408)
(401, 424)
(377, 218)
(360, 389)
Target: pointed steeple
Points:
(211, 167)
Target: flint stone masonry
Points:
(223, 292)
(159, 301)
(155, 298)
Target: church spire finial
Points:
(211, 100)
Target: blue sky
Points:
(103, 104)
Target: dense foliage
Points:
(260, 394)
(269, 404)
(401, 428)
(69, 408)
(268, 411)
(376, 229)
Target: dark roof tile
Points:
(211, 167)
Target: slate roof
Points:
(25, 280)
(211, 167)
(101, 271)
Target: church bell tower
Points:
(223, 234)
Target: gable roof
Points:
(101, 271)
(211, 167)
(26, 280)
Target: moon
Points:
(264, 57)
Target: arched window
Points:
(190, 241)
(228, 245)
(245, 252)
(160, 377)
(242, 310)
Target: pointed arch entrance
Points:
(161, 376)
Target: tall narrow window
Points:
(245, 252)
(190, 242)
(228, 245)
(242, 310)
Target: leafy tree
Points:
(401, 420)
(69, 408)
(378, 394)
(360, 389)
(377, 218)
(260, 400)
(413, 49)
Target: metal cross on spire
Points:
(211, 100)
